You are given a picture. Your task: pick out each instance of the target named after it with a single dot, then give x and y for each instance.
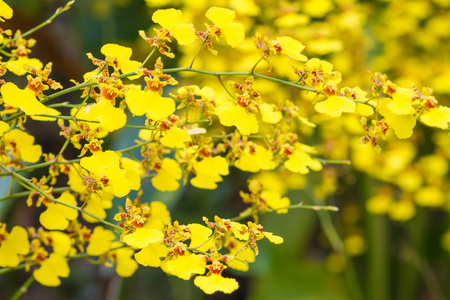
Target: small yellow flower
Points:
(437, 117)
(150, 256)
(223, 18)
(51, 269)
(122, 54)
(167, 177)
(22, 144)
(57, 216)
(150, 103)
(13, 246)
(334, 106)
(100, 241)
(175, 137)
(25, 100)
(208, 172)
(5, 11)
(290, 47)
(142, 237)
(125, 264)
(237, 116)
(216, 283)
(110, 117)
(184, 266)
(171, 19)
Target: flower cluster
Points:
(195, 131)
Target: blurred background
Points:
(391, 237)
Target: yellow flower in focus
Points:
(223, 18)
(4, 127)
(142, 237)
(122, 54)
(150, 103)
(200, 235)
(208, 172)
(51, 269)
(216, 283)
(245, 254)
(105, 167)
(175, 137)
(237, 116)
(21, 143)
(150, 256)
(125, 264)
(110, 117)
(13, 246)
(171, 19)
(57, 216)
(25, 100)
(334, 106)
(18, 66)
(160, 216)
(100, 241)
(184, 266)
(5, 11)
(290, 47)
(167, 177)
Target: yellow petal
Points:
(175, 137)
(215, 283)
(142, 237)
(167, 17)
(118, 51)
(185, 266)
(150, 255)
(292, 48)
(334, 106)
(220, 16)
(234, 33)
(437, 117)
(184, 34)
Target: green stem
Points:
(225, 87)
(196, 54)
(25, 193)
(37, 189)
(300, 205)
(425, 270)
(23, 288)
(148, 57)
(254, 67)
(43, 24)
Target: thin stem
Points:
(254, 67)
(26, 193)
(23, 288)
(148, 57)
(43, 24)
(425, 270)
(299, 205)
(31, 186)
(225, 87)
(332, 161)
(196, 54)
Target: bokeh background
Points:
(391, 237)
